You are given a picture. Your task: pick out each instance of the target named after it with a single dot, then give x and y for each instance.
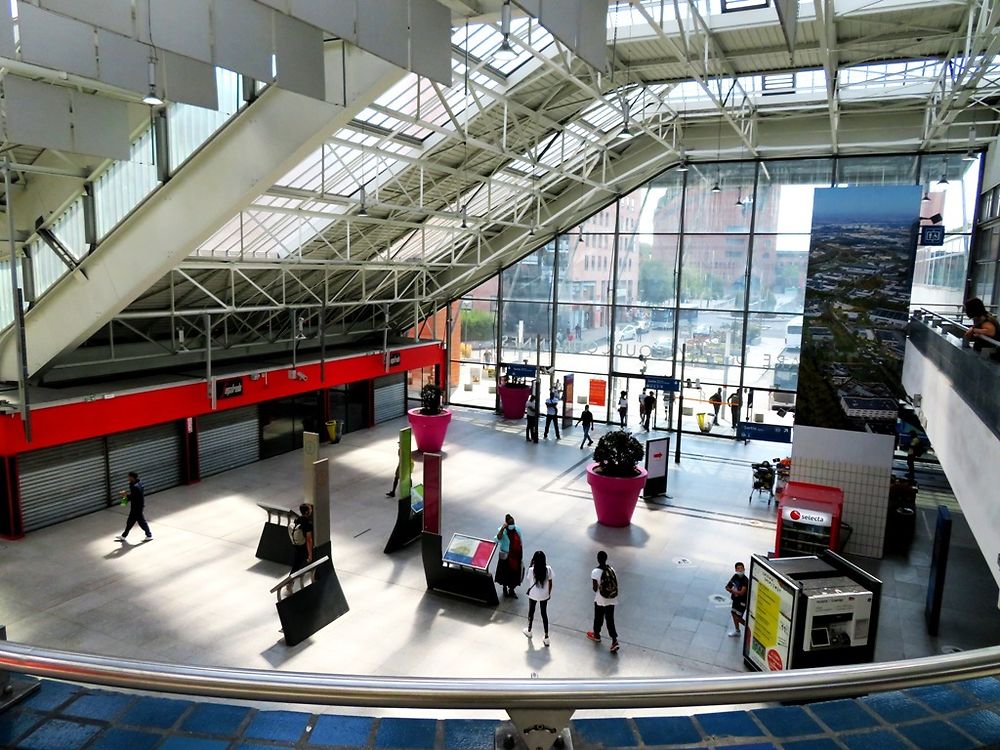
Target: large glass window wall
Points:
(677, 276)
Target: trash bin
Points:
(703, 424)
(331, 430)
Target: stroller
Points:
(764, 475)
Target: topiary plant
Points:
(430, 399)
(618, 453)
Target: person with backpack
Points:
(737, 589)
(605, 583)
(300, 533)
(510, 566)
(136, 498)
(539, 592)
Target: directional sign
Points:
(663, 384)
(773, 432)
(931, 236)
(520, 371)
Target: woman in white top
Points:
(623, 409)
(539, 590)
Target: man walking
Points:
(552, 414)
(137, 502)
(531, 412)
(587, 420)
(605, 583)
(716, 401)
(648, 407)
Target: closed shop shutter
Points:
(390, 398)
(154, 453)
(64, 482)
(227, 439)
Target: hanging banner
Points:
(861, 258)
(598, 392)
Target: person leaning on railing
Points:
(984, 323)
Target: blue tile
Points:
(817, 744)
(59, 735)
(286, 726)
(881, 740)
(935, 735)
(843, 715)
(408, 733)
(16, 723)
(158, 713)
(126, 739)
(754, 746)
(943, 698)
(461, 734)
(344, 731)
(895, 707)
(729, 724)
(258, 747)
(787, 721)
(605, 732)
(985, 688)
(983, 725)
(667, 730)
(215, 718)
(51, 695)
(193, 743)
(102, 706)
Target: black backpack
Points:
(608, 587)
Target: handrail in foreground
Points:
(499, 693)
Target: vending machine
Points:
(808, 519)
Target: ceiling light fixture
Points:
(579, 237)
(505, 51)
(970, 152)
(151, 98)
(716, 188)
(465, 218)
(944, 173)
(363, 211)
(926, 198)
(682, 166)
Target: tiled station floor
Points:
(196, 594)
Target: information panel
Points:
(769, 620)
(470, 552)
(598, 392)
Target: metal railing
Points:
(937, 319)
(496, 693)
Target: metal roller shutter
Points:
(390, 398)
(60, 483)
(227, 439)
(154, 453)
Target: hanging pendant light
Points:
(505, 52)
(151, 97)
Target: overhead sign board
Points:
(663, 384)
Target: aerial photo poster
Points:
(861, 257)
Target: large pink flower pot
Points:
(512, 400)
(615, 497)
(429, 429)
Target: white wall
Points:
(860, 464)
(968, 451)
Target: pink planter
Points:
(429, 429)
(615, 497)
(512, 401)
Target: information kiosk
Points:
(815, 611)
(463, 569)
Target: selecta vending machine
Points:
(808, 519)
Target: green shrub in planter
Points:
(618, 453)
(430, 399)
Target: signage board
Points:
(470, 551)
(776, 433)
(228, 388)
(769, 620)
(806, 515)
(932, 236)
(394, 359)
(598, 392)
(663, 384)
(657, 451)
(520, 371)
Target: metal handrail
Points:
(957, 323)
(496, 693)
